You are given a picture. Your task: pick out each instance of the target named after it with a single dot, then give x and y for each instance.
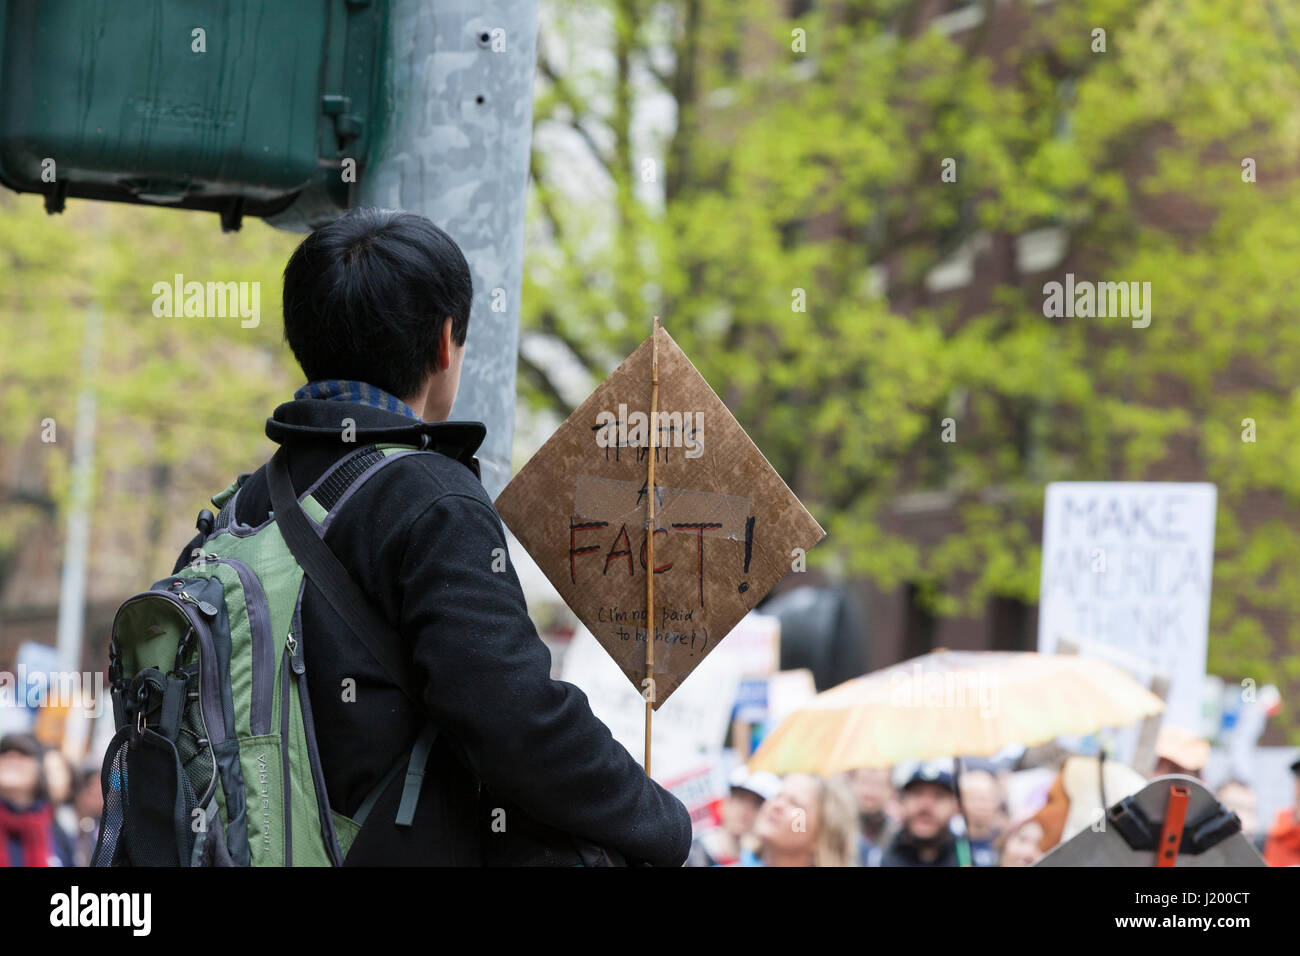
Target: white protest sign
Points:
(787, 691)
(699, 789)
(755, 642)
(1127, 566)
(689, 729)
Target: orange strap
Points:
(1172, 835)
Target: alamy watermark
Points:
(181, 299)
(918, 688)
(39, 688)
(74, 908)
(676, 430)
(1087, 300)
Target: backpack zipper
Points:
(207, 674)
(328, 833)
(259, 623)
(207, 656)
(290, 649)
(209, 609)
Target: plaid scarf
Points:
(359, 393)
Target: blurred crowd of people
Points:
(50, 813)
(49, 810)
(862, 818)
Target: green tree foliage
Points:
(179, 399)
(777, 172)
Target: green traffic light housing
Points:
(239, 107)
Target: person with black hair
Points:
(929, 803)
(376, 311)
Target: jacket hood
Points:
(320, 421)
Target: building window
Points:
(960, 16)
(919, 626)
(1009, 625)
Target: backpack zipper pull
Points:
(295, 658)
(209, 609)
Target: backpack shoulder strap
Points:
(332, 579)
(411, 788)
(332, 490)
(325, 570)
(221, 497)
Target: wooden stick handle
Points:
(650, 542)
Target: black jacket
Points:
(903, 852)
(419, 538)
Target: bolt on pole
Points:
(456, 128)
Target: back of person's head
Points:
(366, 297)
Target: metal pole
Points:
(72, 586)
(456, 127)
(963, 839)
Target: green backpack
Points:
(214, 762)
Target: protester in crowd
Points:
(981, 805)
(722, 845)
(28, 833)
(810, 822)
(1018, 844)
(376, 311)
(58, 789)
(1238, 797)
(929, 804)
(1283, 845)
(874, 792)
(88, 802)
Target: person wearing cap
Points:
(722, 845)
(1283, 845)
(929, 804)
(28, 835)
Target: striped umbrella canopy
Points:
(949, 703)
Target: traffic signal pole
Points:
(455, 125)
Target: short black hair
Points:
(365, 298)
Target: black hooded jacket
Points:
(514, 746)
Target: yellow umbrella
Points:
(946, 703)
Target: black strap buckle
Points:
(1138, 831)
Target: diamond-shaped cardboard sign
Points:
(726, 526)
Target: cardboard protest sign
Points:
(726, 526)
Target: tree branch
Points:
(542, 382)
(564, 92)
